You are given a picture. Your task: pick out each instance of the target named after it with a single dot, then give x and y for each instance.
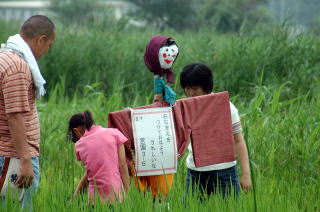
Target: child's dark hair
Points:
(197, 74)
(83, 120)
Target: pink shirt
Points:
(98, 151)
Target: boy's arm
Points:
(123, 168)
(82, 184)
(242, 154)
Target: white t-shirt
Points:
(236, 128)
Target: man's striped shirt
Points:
(17, 95)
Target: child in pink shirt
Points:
(102, 153)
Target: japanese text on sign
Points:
(155, 141)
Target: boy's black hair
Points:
(197, 74)
(83, 120)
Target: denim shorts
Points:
(224, 182)
(29, 192)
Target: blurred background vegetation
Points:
(248, 44)
(266, 53)
(224, 16)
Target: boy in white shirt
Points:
(196, 79)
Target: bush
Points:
(114, 59)
(239, 62)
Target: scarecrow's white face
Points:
(167, 56)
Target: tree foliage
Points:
(176, 14)
(226, 15)
(79, 12)
(229, 15)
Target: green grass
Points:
(282, 136)
(113, 57)
(240, 62)
(273, 80)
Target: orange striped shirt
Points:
(17, 95)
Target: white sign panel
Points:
(154, 140)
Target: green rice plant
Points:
(273, 81)
(285, 160)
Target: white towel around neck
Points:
(17, 44)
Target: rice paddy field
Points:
(273, 78)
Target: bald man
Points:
(21, 83)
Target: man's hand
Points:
(26, 173)
(19, 140)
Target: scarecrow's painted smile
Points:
(167, 61)
(167, 55)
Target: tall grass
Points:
(114, 58)
(238, 61)
(274, 81)
(284, 152)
